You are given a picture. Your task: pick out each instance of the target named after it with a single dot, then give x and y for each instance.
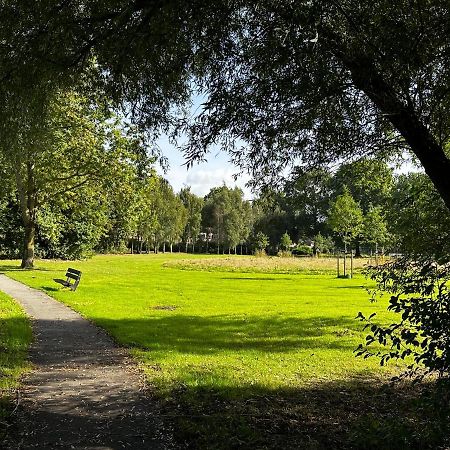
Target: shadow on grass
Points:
(262, 278)
(11, 268)
(213, 334)
(348, 287)
(370, 415)
(50, 289)
(361, 414)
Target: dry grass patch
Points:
(268, 264)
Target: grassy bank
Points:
(15, 336)
(243, 358)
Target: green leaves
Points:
(345, 217)
(421, 298)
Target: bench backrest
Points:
(74, 275)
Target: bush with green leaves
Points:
(323, 244)
(285, 242)
(260, 242)
(303, 249)
(420, 296)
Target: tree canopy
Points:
(295, 82)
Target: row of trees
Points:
(111, 199)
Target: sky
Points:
(216, 171)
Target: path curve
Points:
(83, 392)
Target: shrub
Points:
(260, 241)
(285, 242)
(420, 296)
(303, 249)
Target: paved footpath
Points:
(84, 392)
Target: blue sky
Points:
(216, 171)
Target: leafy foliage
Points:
(323, 244)
(345, 217)
(260, 241)
(418, 218)
(374, 230)
(303, 249)
(420, 295)
(311, 81)
(285, 242)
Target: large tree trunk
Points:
(28, 206)
(28, 245)
(403, 117)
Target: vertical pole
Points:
(337, 259)
(345, 259)
(351, 263)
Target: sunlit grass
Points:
(232, 349)
(15, 336)
(237, 329)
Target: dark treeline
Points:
(363, 206)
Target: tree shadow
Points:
(10, 268)
(328, 415)
(257, 278)
(355, 413)
(348, 287)
(213, 334)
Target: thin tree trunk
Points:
(345, 259)
(358, 249)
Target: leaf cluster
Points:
(420, 297)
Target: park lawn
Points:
(220, 329)
(15, 337)
(239, 358)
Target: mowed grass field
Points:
(256, 353)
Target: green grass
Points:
(15, 336)
(245, 358)
(224, 329)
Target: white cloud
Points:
(202, 179)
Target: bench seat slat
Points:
(63, 282)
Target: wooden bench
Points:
(72, 279)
